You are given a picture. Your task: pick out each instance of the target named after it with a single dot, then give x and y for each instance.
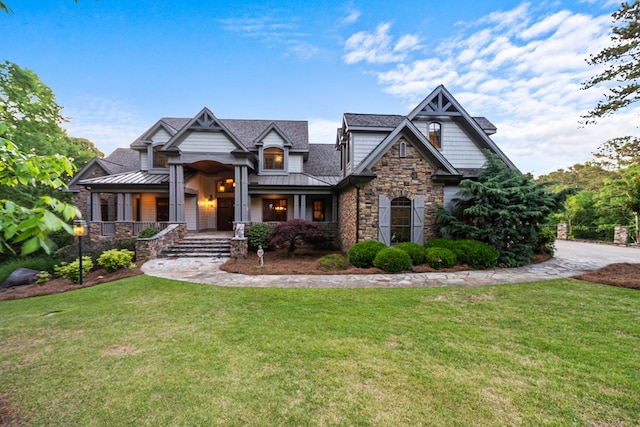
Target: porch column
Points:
(120, 207)
(176, 193)
(296, 206)
(303, 206)
(128, 207)
(241, 207)
(96, 209)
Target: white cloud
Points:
(522, 68)
(352, 16)
(106, 123)
(322, 131)
(378, 47)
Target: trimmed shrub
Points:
(116, 259)
(332, 262)
(71, 270)
(296, 233)
(363, 253)
(94, 249)
(392, 260)
(148, 232)
(546, 242)
(440, 258)
(477, 254)
(441, 243)
(257, 235)
(418, 253)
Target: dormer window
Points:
(160, 159)
(435, 134)
(273, 158)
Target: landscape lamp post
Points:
(79, 230)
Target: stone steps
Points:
(200, 247)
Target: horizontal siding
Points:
(459, 149)
(295, 163)
(255, 211)
(363, 144)
(273, 140)
(148, 207)
(207, 142)
(161, 136)
(144, 162)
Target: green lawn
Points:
(147, 351)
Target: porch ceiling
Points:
(210, 166)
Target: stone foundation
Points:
(239, 247)
(562, 232)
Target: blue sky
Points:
(117, 66)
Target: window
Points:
(400, 220)
(274, 210)
(273, 158)
(160, 159)
(435, 134)
(162, 209)
(403, 148)
(318, 210)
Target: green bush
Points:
(332, 262)
(148, 232)
(362, 254)
(116, 259)
(441, 243)
(418, 253)
(94, 249)
(257, 236)
(477, 254)
(546, 242)
(71, 270)
(440, 258)
(392, 260)
(40, 263)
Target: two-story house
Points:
(380, 180)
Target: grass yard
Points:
(148, 351)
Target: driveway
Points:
(571, 258)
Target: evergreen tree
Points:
(503, 208)
(622, 61)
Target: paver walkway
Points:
(571, 258)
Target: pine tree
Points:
(503, 208)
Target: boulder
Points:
(19, 277)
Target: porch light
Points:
(210, 201)
(221, 187)
(79, 230)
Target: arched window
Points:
(435, 134)
(400, 220)
(403, 148)
(273, 158)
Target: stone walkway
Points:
(571, 258)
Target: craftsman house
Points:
(381, 179)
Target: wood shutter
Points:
(417, 220)
(384, 220)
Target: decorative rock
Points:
(19, 277)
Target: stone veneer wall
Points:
(80, 199)
(347, 218)
(152, 247)
(621, 235)
(396, 177)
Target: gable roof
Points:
(410, 132)
(119, 161)
(440, 102)
(250, 131)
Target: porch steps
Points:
(200, 247)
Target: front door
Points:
(225, 213)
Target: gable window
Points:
(435, 134)
(274, 210)
(403, 148)
(400, 220)
(160, 159)
(318, 210)
(162, 209)
(273, 158)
